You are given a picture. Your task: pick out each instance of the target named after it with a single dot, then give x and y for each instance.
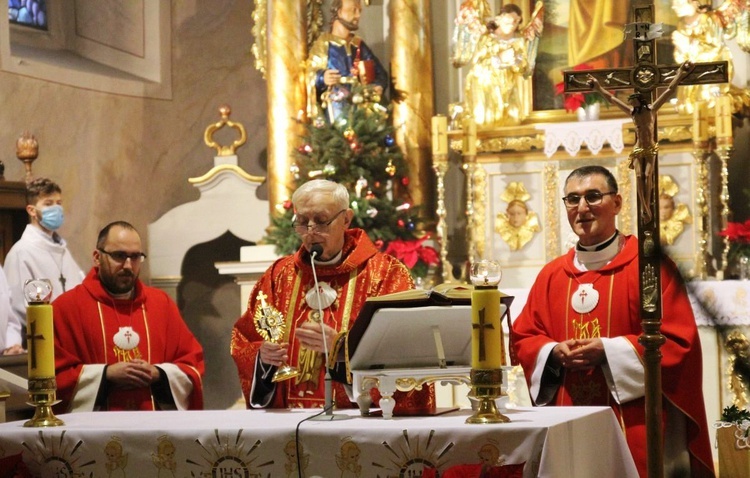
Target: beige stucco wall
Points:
(119, 157)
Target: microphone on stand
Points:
(316, 251)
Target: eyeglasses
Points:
(593, 198)
(319, 227)
(122, 256)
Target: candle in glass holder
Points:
(487, 348)
(39, 328)
(439, 135)
(700, 122)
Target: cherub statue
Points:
(504, 53)
(645, 150)
(517, 225)
(701, 36)
(672, 216)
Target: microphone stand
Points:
(328, 414)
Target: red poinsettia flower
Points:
(737, 232)
(573, 101)
(412, 251)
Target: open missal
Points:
(414, 329)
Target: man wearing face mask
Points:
(41, 253)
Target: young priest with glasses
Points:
(282, 325)
(577, 336)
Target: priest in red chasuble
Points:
(119, 344)
(577, 336)
(349, 270)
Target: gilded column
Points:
(287, 52)
(411, 64)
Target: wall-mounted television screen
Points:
(29, 13)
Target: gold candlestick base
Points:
(42, 397)
(486, 384)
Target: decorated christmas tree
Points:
(358, 149)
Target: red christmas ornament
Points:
(405, 181)
(400, 223)
(379, 244)
(287, 204)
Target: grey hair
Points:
(339, 192)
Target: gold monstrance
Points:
(270, 324)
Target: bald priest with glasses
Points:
(577, 336)
(120, 344)
(349, 269)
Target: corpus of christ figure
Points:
(646, 148)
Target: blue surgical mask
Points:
(52, 217)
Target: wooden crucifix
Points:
(645, 77)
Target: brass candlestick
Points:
(487, 348)
(40, 339)
(42, 396)
(703, 258)
(724, 149)
(487, 384)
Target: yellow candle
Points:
(723, 117)
(439, 135)
(700, 122)
(470, 137)
(40, 340)
(487, 348)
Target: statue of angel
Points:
(501, 54)
(701, 36)
(672, 215)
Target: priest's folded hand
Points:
(129, 375)
(585, 354)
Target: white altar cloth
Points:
(574, 135)
(720, 303)
(556, 441)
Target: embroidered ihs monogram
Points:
(589, 329)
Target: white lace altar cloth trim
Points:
(571, 136)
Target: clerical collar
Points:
(597, 247)
(330, 262)
(597, 256)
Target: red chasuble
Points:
(87, 319)
(548, 316)
(364, 272)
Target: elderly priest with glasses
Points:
(577, 336)
(119, 344)
(282, 330)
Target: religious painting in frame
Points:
(586, 34)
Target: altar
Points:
(561, 441)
